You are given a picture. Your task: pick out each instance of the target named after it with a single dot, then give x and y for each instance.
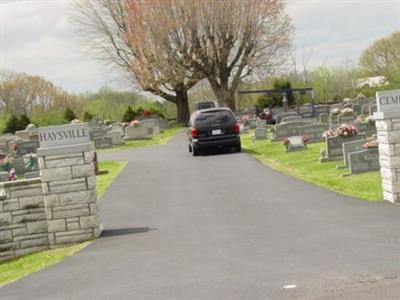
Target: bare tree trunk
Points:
(182, 106)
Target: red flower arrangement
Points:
(346, 130)
(371, 144)
(342, 130)
(135, 123)
(147, 113)
(329, 133)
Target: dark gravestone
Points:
(372, 109)
(284, 130)
(357, 109)
(368, 128)
(364, 161)
(313, 131)
(346, 119)
(350, 147)
(19, 166)
(26, 147)
(279, 117)
(365, 109)
(333, 146)
(321, 109)
(102, 143)
(323, 118)
(291, 119)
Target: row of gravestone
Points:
(351, 150)
(117, 133)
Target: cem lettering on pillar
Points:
(388, 101)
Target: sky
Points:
(38, 37)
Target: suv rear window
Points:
(215, 117)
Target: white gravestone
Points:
(136, 133)
(295, 143)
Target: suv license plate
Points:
(216, 132)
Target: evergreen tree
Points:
(69, 115)
(129, 115)
(11, 125)
(87, 116)
(23, 122)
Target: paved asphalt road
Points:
(225, 227)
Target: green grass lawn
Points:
(305, 165)
(157, 139)
(104, 181)
(17, 268)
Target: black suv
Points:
(214, 127)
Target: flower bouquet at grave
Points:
(286, 142)
(5, 164)
(147, 113)
(346, 130)
(329, 133)
(12, 175)
(335, 112)
(31, 162)
(135, 123)
(360, 119)
(371, 144)
(346, 111)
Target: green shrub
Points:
(14, 123)
(87, 116)
(69, 115)
(265, 101)
(48, 118)
(23, 122)
(129, 115)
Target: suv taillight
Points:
(195, 133)
(237, 128)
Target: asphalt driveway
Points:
(223, 227)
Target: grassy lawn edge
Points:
(305, 166)
(17, 268)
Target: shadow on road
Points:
(125, 231)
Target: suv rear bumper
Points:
(208, 143)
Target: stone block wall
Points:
(389, 157)
(23, 222)
(69, 191)
(48, 212)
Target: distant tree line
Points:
(28, 99)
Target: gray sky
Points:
(37, 37)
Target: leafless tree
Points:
(20, 93)
(226, 40)
(117, 32)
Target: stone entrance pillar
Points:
(68, 183)
(387, 121)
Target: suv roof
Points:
(212, 109)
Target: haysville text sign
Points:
(64, 135)
(388, 100)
